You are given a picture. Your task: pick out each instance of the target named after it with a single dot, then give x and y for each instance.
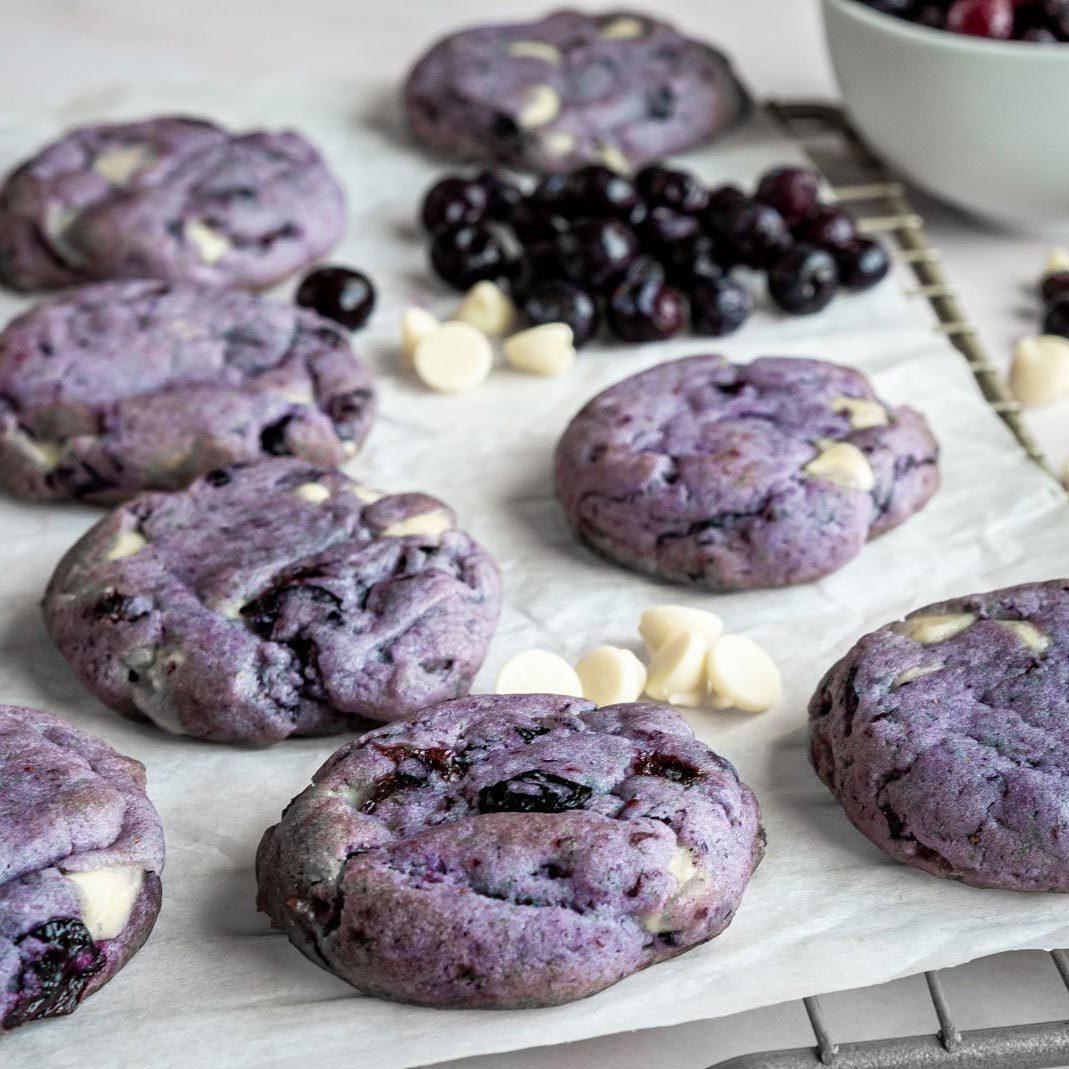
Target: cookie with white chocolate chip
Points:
(944, 737)
(118, 387)
(732, 476)
(273, 600)
(81, 851)
(618, 88)
(511, 851)
(170, 198)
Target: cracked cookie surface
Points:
(170, 198)
(944, 737)
(119, 387)
(733, 476)
(273, 600)
(81, 850)
(617, 88)
(511, 851)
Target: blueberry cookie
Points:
(618, 88)
(511, 851)
(124, 386)
(81, 851)
(273, 600)
(734, 476)
(170, 198)
(945, 738)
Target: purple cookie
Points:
(732, 476)
(619, 88)
(945, 738)
(125, 386)
(511, 851)
(274, 600)
(171, 198)
(81, 851)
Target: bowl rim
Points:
(929, 35)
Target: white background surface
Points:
(51, 49)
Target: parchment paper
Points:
(825, 911)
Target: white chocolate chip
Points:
(541, 104)
(58, 221)
(686, 873)
(211, 245)
(183, 329)
(910, 675)
(677, 670)
(538, 672)
(928, 630)
(742, 675)
(454, 358)
(611, 676)
(682, 865)
(296, 395)
(613, 158)
(126, 545)
(534, 50)
(557, 143)
(488, 308)
(624, 28)
(44, 453)
(1040, 370)
(1028, 633)
(366, 494)
(861, 412)
(316, 493)
(1057, 261)
(662, 622)
(431, 524)
(416, 324)
(544, 350)
(843, 464)
(107, 897)
(122, 162)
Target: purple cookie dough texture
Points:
(619, 88)
(511, 851)
(169, 198)
(70, 804)
(274, 600)
(945, 738)
(694, 470)
(119, 387)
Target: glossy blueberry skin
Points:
(557, 301)
(595, 253)
(793, 191)
(670, 188)
(719, 306)
(453, 202)
(1054, 286)
(538, 263)
(827, 228)
(665, 227)
(340, 294)
(695, 258)
(601, 193)
(643, 307)
(725, 202)
(804, 280)
(1056, 319)
(758, 235)
(502, 196)
(862, 264)
(464, 255)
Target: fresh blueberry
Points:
(718, 306)
(793, 191)
(464, 255)
(758, 234)
(341, 294)
(804, 280)
(1054, 286)
(671, 188)
(827, 228)
(502, 196)
(643, 307)
(453, 202)
(1056, 320)
(694, 258)
(596, 252)
(665, 227)
(725, 202)
(601, 193)
(862, 264)
(557, 301)
(538, 263)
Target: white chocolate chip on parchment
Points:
(538, 672)
(861, 412)
(416, 324)
(625, 28)
(677, 670)
(742, 675)
(211, 245)
(126, 545)
(938, 627)
(611, 676)
(662, 622)
(432, 524)
(1040, 370)
(543, 350)
(117, 165)
(911, 675)
(107, 897)
(534, 50)
(843, 464)
(1057, 261)
(314, 493)
(1028, 633)
(541, 105)
(454, 358)
(487, 308)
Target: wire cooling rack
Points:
(882, 207)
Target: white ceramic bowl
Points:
(981, 124)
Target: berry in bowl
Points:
(964, 98)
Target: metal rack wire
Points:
(883, 207)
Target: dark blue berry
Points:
(340, 294)
(719, 306)
(557, 301)
(804, 280)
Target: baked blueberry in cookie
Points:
(81, 851)
(945, 736)
(271, 600)
(172, 198)
(618, 88)
(118, 387)
(732, 476)
(511, 851)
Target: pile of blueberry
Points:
(1044, 22)
(647, 254)
(1054, 291)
